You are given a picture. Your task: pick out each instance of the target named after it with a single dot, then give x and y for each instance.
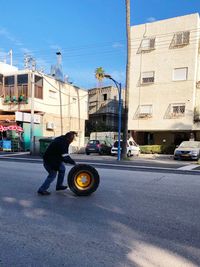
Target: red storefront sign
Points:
(11, 128)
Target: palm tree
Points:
(99, 74)
(128, 36)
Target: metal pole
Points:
(11, 57)
(119, 88)
(61, 116)
(32, 114)
(119, 122)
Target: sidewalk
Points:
(156, 156)
(91, 157)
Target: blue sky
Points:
(89, 33)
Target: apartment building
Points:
(58, 106)
(103, 109)
(164, 99)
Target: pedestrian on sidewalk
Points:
(53, 160)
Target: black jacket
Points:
(57, 152)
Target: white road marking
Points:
(10, 154)
(188, 167)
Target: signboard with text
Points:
(26, 117)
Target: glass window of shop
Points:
(9, 85)
(38, 87)
(22, 85)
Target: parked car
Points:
(133, 149)
(188, 150)
(97, 146)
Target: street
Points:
(135, 218)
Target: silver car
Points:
(188, 150)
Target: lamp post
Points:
(119, 88)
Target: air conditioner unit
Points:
(50, 126)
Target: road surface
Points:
(135, 218)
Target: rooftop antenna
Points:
(10, 53)
(59, 58)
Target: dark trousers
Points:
(52, 175)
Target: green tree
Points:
(99, 74)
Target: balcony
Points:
(175, 111)
(15, 96)
(144, 112)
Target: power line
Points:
(53, 105)
(56, 87)
(95, 46)
(105, 44)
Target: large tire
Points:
(83, 179)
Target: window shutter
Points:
(148, 74)
(145, 43)
(146, 109)
(180, 74)
(148, 44)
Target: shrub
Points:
(157, 149)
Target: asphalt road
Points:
(151, 162)
(135, 218)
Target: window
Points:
(86, 106)
(180, 74)
(1, 78)
(104, 97)
(1, 85)
(22, 85)
(177, 110)
(52, 94)
(180, 39)
(22, 79)
(145, 111)
(104, 118)
(9, 80)
(9, 86)
(38, 87)
(147, 77)
(147, 44)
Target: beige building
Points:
(103, 109)
(164, 103)
(58, 106)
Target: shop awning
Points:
(11, 128)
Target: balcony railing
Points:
(18, 95)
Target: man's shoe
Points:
(61, 187)
(44, 193)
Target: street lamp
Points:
(119, 88)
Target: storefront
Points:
(11, 138)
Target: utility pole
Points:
(59, 78)
(33, 65)
(11, 57)
(119, 88)
(61, 116)
(128, 35)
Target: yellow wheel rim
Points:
(83, 180)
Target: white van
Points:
(133, 149)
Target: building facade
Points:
(164, 98)
(103, 109)
(58, 106)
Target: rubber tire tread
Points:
(72, 173)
